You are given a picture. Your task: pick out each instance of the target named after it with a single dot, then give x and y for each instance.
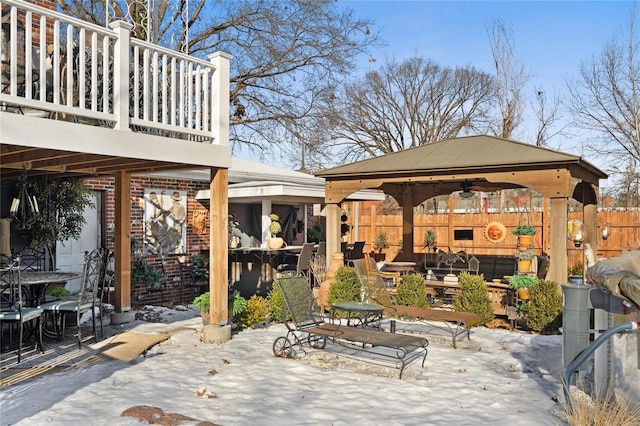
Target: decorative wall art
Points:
(165, 221)
(200, 219)
(495, 232)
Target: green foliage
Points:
(274, 227)
(143, 272)
(256, 312)
(346, 287)
(276, 303)
(381, 241)
(474, 297)
(412, 292)
(61, 202)
(202, 301)
(314, 234)
(524, 230)
(576, 269)
(525, 255)
(200, 268)
(58, 292)
(429, 239)
(237, 303)
(544, 310)
(522, 280)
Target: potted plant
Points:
(275, 228)
(202, 302)
(521, 283)
(237, 305)
(429, 242)
(380, 243)
(524, 260)
(525, 234)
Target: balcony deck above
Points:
(72, 87)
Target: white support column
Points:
(121, 73)
(220, 98)
(266, 211)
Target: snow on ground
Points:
(499, 377)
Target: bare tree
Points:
(407, 104)
(548, 117)
(605, 99)
(285, 54)
(511, 78)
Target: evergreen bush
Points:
(346, 287)
(276, 303)
(474, 297)
(544, 310)
(256, 312)
(412, 292)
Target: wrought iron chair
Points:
(87, 299)
(12, 309)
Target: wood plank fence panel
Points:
(624, 231)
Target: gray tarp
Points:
(621, 275)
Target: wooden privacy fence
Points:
(624, 232)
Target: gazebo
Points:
(473, 163)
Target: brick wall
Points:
(196, 242)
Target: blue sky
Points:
(552, 37)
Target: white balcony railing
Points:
(69, 68)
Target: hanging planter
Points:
(525, 235)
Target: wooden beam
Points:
(558, 241)
(333, 231)
(218, 247)
(407, 224)
(122, 242)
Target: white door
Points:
(70, 253)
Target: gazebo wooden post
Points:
(590, 219)
(407, 224)
(333, 230)
(219, 329)
(558, 241)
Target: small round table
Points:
(365, 315)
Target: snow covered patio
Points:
(499, 377)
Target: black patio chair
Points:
(87, 298)
(13, 309)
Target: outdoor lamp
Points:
(575, 232)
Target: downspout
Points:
(586, 353)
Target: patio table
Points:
(37, 282)
(366, 315)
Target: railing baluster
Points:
(198, 95)
(174, 92)
(56, 63)
(190, 95)
(183, 79)
(136, 82)
(94, 72)
(154, 96)
(165, 93)
(106, 74)
(43, 80)
(69, 70)
(145, 88)
(28, 59)
(82, 69)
